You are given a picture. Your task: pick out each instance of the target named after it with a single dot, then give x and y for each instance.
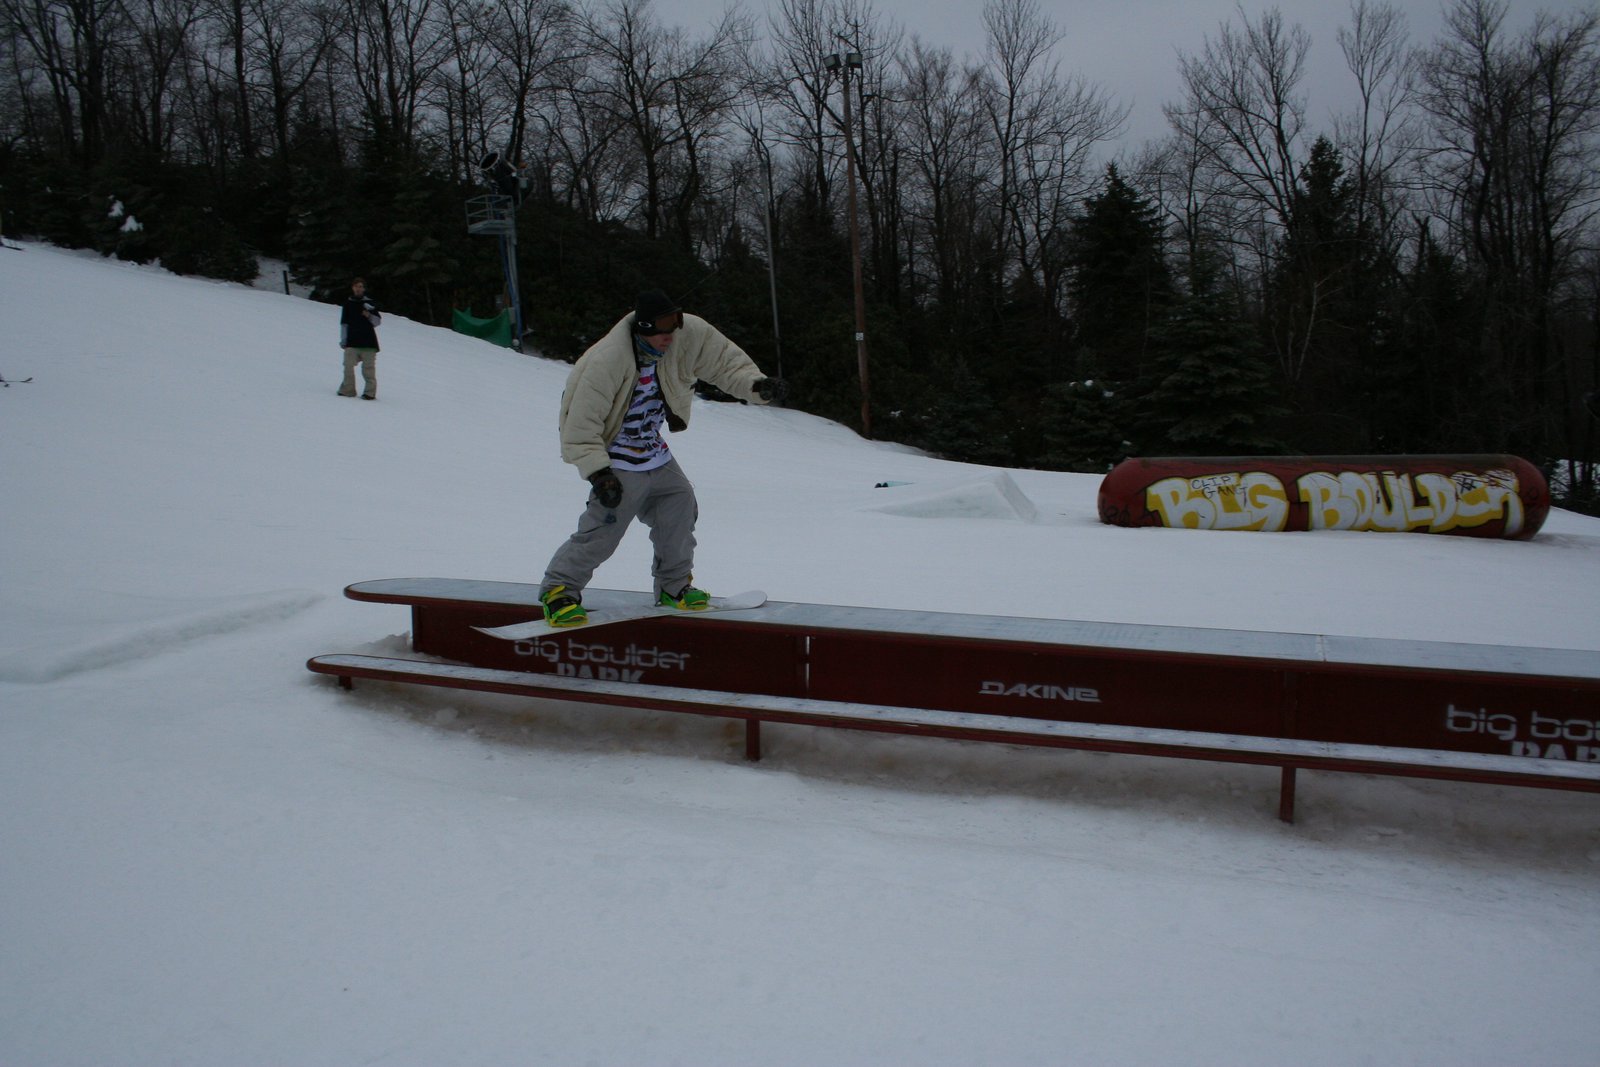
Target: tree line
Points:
(1419, 274)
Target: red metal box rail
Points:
(1538, 703)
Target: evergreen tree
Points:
(1327, 312)
(322, 234)
(1436, 379)
(1211, 389)
(340, 214)
(1120, 285)
(122, 225)
(199, 241)
(417, 259)
(963, 422)
(47, 197)
(1084, 427)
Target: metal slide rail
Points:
(1287, 754)
(1503, 715)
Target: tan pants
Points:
(368, 358)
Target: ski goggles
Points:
(660, 327)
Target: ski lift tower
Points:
(495, 214)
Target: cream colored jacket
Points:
(601, 385)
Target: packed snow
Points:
(209, 855)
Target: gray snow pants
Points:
(663, 499)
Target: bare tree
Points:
(460, 91)
(1044, 128)
(231, 16)
(288, 45)
(944, 132)
(671, 94)
(712, 81)
(589, 167)
(159, 49)
(531, 42)
(1244, 115)
(1202, 220)
(394, 49)
(1515, 171)
(1245, 109)
(1380, 138)
(71, 44)
(802, 33)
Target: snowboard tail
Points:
(520, 631)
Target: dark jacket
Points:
(355, 329)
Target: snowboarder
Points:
(358, 337)
(637, 378)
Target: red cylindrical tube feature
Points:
(1474, 496)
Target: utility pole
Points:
(842, 64)
(768, 210)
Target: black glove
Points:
(607, 487)
(770, 389)
(675, 424)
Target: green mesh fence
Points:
(496, 330)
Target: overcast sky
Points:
(1130, 47)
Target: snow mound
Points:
(987, 496)
(123, 628)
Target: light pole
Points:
(843, 64)
(767, 211)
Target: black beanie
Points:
(650, 306)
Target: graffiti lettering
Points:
(1470, 495)
(1387, 500)
(1252, 500)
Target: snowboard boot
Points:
(561, 608)
(686, 599)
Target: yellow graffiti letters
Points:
(1468, 499)
(1356, 500)
(1253, 500)
(1388, 501)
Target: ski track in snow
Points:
(58, 650)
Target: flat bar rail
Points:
(1286, 753)
(1428, 709)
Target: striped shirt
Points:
(639, 445)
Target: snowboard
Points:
(521, 631)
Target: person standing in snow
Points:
(358, 336)
(636, 379)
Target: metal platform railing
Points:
(491, 214)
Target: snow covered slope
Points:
(209, 855)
